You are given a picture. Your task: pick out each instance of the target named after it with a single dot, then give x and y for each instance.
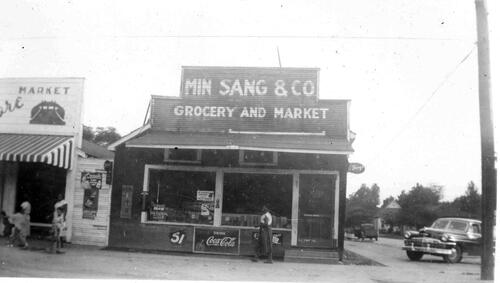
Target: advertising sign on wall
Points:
(158, 212)
(216, 241)
(91, 183)
(277, 238)
(172, 114)
(244, 83)
(126, 204)
(205, 195)
(41, 105)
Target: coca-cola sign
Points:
(216, 241)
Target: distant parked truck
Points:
(366, 230)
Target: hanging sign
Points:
(356, 168)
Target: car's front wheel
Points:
(414, 256)
(456, 255)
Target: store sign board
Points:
(243, 83)
(41, 105)
(219, 116)
(216, 241)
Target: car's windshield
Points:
(440, 224)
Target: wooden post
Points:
(488, 171)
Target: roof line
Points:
(237, 147)
(129, 136)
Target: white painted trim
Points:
(219, 184)
(322, 133)
(295, 209)
(69, 195)
(236, 147)
(336, 221)
(129, 136)
(234, 170)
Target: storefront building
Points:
(195, 177)
(40, 127)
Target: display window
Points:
(181, 196)
(245, 194)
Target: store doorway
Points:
(316, 210)
(40, 184)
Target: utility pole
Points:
(488, 171)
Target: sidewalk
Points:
(93, 263)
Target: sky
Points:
(408, 67)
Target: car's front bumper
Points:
(429, 250)
(429, 246)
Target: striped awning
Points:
(52, 150)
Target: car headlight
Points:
(445, 238)
(407, 235)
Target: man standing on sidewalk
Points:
(265, 241)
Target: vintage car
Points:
(447, 237)
(366, 230)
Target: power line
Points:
(426, 102)
(235, 36)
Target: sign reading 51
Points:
(177, 237)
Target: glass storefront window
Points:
(246, 193)
(181, 196)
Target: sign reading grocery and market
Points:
(244, 83)
(41, 105)
(216, 241)
(177, 114)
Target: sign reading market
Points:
(219, 99)
(41, 105)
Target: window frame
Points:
(241, 159)
(166, 156)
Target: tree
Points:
(470, 203)
(88, 133)
(419, 206)
(101, 135)
(362, 205)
